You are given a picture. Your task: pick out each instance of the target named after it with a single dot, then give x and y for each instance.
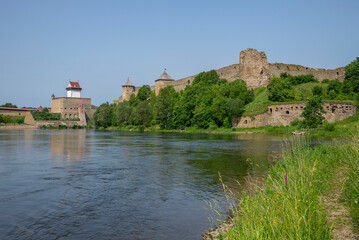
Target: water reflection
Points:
(69, 145)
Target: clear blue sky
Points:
(45, 43)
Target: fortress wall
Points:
(68, 106)
(284, 114)
(28, 116)
(295, 70)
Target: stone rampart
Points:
(284, 114)
(319, 73)
(69, 106)
(254, 69)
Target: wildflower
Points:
(277, 157)
(286, 178)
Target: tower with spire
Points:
(163, 81)
(127, 89)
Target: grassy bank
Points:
(291, 204)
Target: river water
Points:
(80, 184)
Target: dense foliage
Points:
(280, 89)
(45, 116)
(12, 119)
(208, 102)
(211, 102)
(313, 112)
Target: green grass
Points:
(304, 91)
(294, 209)
(259, 104)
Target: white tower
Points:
(74, 90)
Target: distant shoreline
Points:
(17, 127)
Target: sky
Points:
(44, 44)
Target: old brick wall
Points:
(284, 114)
(277, 68)
(68, 106)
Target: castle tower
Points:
(162, 82)
(254, 68)
(74, 89)
(127, 90)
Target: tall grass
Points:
(351, 190)
(290, 205)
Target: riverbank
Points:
(309, 194)
(17, 127)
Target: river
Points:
(81, 184)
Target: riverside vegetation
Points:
(296, 200)
(210, 102)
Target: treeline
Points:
(210, 102)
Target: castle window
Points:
(245, 121)
(281, 108)
(270, 110)
(261, 72)
(291, 108)
(287, 112)
(337, 73)
(276, 109)
(296, 107)
(189, 82)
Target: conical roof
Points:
(128, 83)
(165, 77)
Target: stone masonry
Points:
(253, 68)
(284, 114)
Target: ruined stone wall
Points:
(319, 73)
(254, 68)
(69, 107)
(284, 114)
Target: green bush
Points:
(329, 126)
(45, 116)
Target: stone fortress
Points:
(254, 69)
(73, 106)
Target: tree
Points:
(207, 78)
(280, 90)
(122, 113)
(235, 107)
(313, 112)
(164, 106)
(144, 93)
(9, 105)
(351, 79)
(103, 115)
(318, 91)
(143, 113)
